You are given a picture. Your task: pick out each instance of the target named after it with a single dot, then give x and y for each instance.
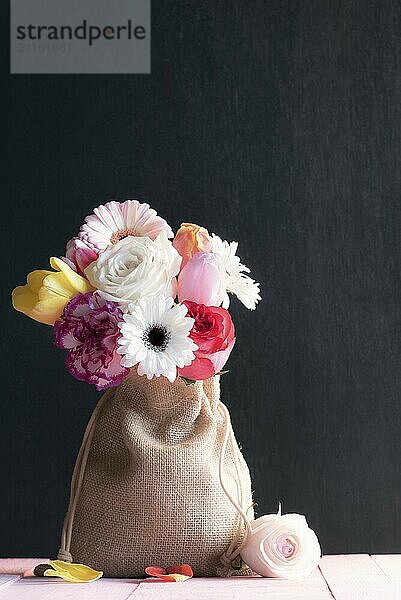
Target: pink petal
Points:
(201, 280)
(199, 369)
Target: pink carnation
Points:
(89, 330)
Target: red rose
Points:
(214, 334)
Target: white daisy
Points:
(245, 288)
(115, 221)
(155, 336)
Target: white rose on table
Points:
(136, 267)
(281, 546)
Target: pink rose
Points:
(190, 239)
(202, 280)
(214, 334)
(80, 254)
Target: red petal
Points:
(155, 571)
(166, 578)
(200, 368)
(181, 570)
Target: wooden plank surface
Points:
(6, 580)
(357, 577)
(390, 564)
(38, 588)
(342, 577)
(236, 588)
(19, 565)
(233, 588)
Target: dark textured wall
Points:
(276, 124)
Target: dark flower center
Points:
(156, 337)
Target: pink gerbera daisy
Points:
(115, 221)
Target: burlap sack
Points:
(146, 488)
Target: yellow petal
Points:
(26, 301)
(24, 297)
(74, 281)
(179, 577)
(74, 572)
(35, 279)
(47, 293)
(62, 574)
(53, 307)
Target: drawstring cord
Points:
(234, 548)
(77, 479)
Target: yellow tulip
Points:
(46, 293)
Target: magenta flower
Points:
(89, 330)
(80, 254)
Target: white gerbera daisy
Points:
(115, 221)
(155, 336)
(245, 288)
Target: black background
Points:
(276, 124)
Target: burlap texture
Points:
(151, 493)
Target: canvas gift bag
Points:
(151, 480)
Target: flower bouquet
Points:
(159, 478)
(126, 296)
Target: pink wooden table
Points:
(343, 577)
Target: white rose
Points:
(136, 267)
(281, 546)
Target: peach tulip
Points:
(190, 239)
